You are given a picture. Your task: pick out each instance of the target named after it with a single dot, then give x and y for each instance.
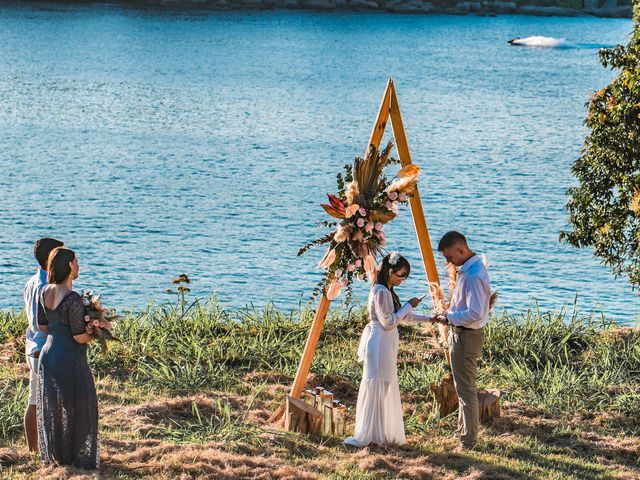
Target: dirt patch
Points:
(161, 460)
(142, 418)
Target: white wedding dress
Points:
(379, 411)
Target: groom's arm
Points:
(475, 296)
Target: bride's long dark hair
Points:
(384, 272)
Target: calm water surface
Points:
(156, 143)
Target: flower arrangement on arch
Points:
(365, 202)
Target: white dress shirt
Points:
(470, 303)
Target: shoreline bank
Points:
(590, 8)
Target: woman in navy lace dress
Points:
(67, 402)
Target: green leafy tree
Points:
(604, 209)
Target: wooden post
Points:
(416, 208)
(381, 118)
(310, 347)
(323, 307)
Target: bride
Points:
(378, 411)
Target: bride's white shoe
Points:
(353, 442)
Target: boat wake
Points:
(539, 41)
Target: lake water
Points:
(161, 142)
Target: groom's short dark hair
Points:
(43, 248)
(449, 239)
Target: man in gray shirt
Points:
(35, 337)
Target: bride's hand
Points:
(440, 318)
(415, 301)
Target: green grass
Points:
(563, 377)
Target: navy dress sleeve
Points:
(76, 315)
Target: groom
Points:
(35, 337)
(467, 315)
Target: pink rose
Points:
(389, 205)
(339, 272)
(96, 323)
(360, 222)
(101, 324)
(403, 197)
(87, 318)
(362, 211)
(379, 226)
(369, 227)
(89, 329)
(351, 267)
(393, 195)
(357, 263)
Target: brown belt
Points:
(458, 329)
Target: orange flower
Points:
(406, 180)
(351, 210)
(409, 171)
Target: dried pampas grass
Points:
(352, 192)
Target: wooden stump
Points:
(446, 395)
(447, 399)
(489, 405)
(301, 417)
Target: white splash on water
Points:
(539, 41)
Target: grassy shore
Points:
(187, 395)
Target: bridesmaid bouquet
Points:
(365, 202)
(99, 320)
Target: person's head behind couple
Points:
(60, 263)
(43, 248)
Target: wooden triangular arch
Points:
(389, 110)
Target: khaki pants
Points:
(465, 347)
(33, 378)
